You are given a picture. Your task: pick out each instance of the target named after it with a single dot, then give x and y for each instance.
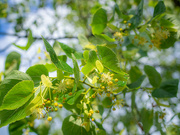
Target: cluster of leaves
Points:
(101, 81)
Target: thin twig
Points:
(7, 46)
(40, 38)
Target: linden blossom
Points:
(61, 87)
(106, 77)
(159, 36)
(38, 112)
(118, 34)
(119, 103)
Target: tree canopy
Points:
(94, 67)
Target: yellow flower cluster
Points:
(142, 40)
(118, 35)
(160, 35)
(123, 32)
(106, 77)
(108, 84)
(47, 106)
(69, 83)
(61, 87)
(39, 112)
(119, 103)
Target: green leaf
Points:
(108, 59)
(113, 27)
(87, 68)
(91, 63)
(147, 119)
(137, 19)
(17, 127)
(30, 40)
(41, 93)
(18, 95)
(95, 40)
(92, 57)
(99, 66)
(78, 55)
(29, 43)
(73, 108)
(68, 50)
(134, 73)
(167, 89)
(169, 42)
(121, 87)
(83, 40)
(101, 132)
(107, 38)
(143, 53)
(167, 23)
(59, 64)
(173, 129)
(137, 83)
(101, 109)
(10, 81)
(153, 76)
(86, 55)
(13, 61)
(57, 48)
(50, 67)
(72, 100)
(99, 21)
(159, 8)
(111, 45)
(143, 28)
(169, 20)
(62, 58)
(76, 70)
(73, 125)
(10, 116)
(121, 83)
(117, 10)
(43, 129)
(35, 73)
(107, 102)
(60, 74)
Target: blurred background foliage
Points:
(67, 20)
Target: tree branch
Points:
(40, 38)
(7, 46)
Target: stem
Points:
(88, 84)
(160, 104)
(35, 89)
(82, 82)
(84, 78)
(44, 92)
(87, 91)
(41, 93)
(50, 94)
